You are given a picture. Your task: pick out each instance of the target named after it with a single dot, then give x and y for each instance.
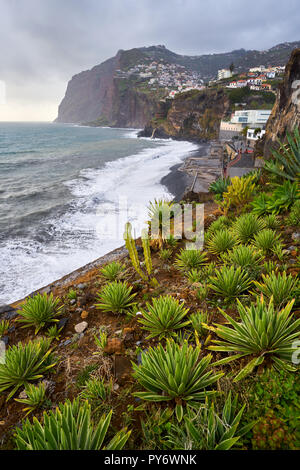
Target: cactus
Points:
(130, 245)
(147, 252)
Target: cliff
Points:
(286, 112)
(193, 115)
(110, 94)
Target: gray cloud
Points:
(45, 42)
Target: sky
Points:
(43, 43)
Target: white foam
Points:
(76, 237)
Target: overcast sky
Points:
(44, 42)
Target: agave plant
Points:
(113, 271)
(36, 397)
(115, 297)
(263, 333)
(208, 430)
(220, 224)
(279, 286)
(69, 427)
(229, 282)
(260, 204)
(246, 226)
(175, 373)
(219, 186)
(286, 163)
(25, 364)
(165, 254)
(190, 259)
(240, 192)
(266, 240)
(221, 241)
(245, 257)
(283, 197)
(40, 310)
(163, 317)
(96, 390)
(194, 276)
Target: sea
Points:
(66, 192)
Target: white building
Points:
(224, 73)
(251, 117)
(252, 135)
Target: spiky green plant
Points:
(230, 282)
(164, 317)
(160, 213)
(25, 363)
(240, 192)
(281, 287)
(266, 240)
(263, 332)
(219, 186)
(53, 333)
(190, 259)
(205, 429)
(175, 373)
(36, 397)
(221, 241)
(294, 216)
(39, 310)
(272, 222)
(245, 257)
(197, 320)
(100, 340)
(283, 197)
(171, 241)
(220, 224)
(165, 254)
(69, 427)
(278, 250)
(115, 297)
(96, 390)
(269, 266)
(246, 227)
(203, 292)
(286, 160)
(4, 327)
(194, 276)
(72, 294)
(260, 204)
(147, 252)
(113, 271)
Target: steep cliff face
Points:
(286, 112)
(193, 115)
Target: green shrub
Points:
(266, 240)
(69, 427)
(53, 333)
(229, 282)
(72, 294)
(272, 222)
(220, 224)
(163, 317)
(197, 320)
(4, 327)
(203, 292)
(115, 297)
(206, 429)
(245, 257)
(25, 364)
(165, 254)
(221, 241)
(281, 287)
(219, 186)
(259, 204)
(194, 276)
(246, 227)
(113, 271)
(175, 373)
(267, 335)
(190, 259)
(96, 390)
(39, 310)
(283, 197)
(36, 397)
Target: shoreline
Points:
(177, 182)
